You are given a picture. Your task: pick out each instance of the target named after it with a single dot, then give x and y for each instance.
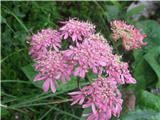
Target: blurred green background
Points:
(23, 99)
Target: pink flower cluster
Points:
(119, 71)
(44, 41)
(92, 54)
(77, 30)
(88, 52)
(51, 67)
(102, 96)
(131, 37)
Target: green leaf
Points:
(158, 84)
(149, 100)
(152, 30)
(70, 85)
(85, 113)
(153, 57)
(143, 73)
(146, 66)
(3, 20)
(112, 12)
(30, 72)
(138, 55)
(4, 112)
(139, 114)
(19, 20)
(135, 11)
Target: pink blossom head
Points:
(91, 54)
(52, 66)
(119, 71)
(131, 36)
(76, 29)
(102, 96)
(47, 39)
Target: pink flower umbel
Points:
(86, 52)
(131, 37)
(102, 96)
(77, 30)
(51, 67)
(91, 54)
(47, 39)
(119, 71)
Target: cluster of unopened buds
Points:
(86, 51)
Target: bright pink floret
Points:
(131, 37)
(119, 71)
(76, 29)
(52, 66)
(102, 96)
(47, 39)
(92, 54)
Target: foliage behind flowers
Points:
(23, 98)
(87, 51)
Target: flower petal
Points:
(46, 85)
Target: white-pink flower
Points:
(76, 29)
(43, 41)
(51, 67)
(131, 36)
(102, 96)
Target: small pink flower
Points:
(51, 67)
(76, 29)
(131, 37)
(47, 39)
(102, 96)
